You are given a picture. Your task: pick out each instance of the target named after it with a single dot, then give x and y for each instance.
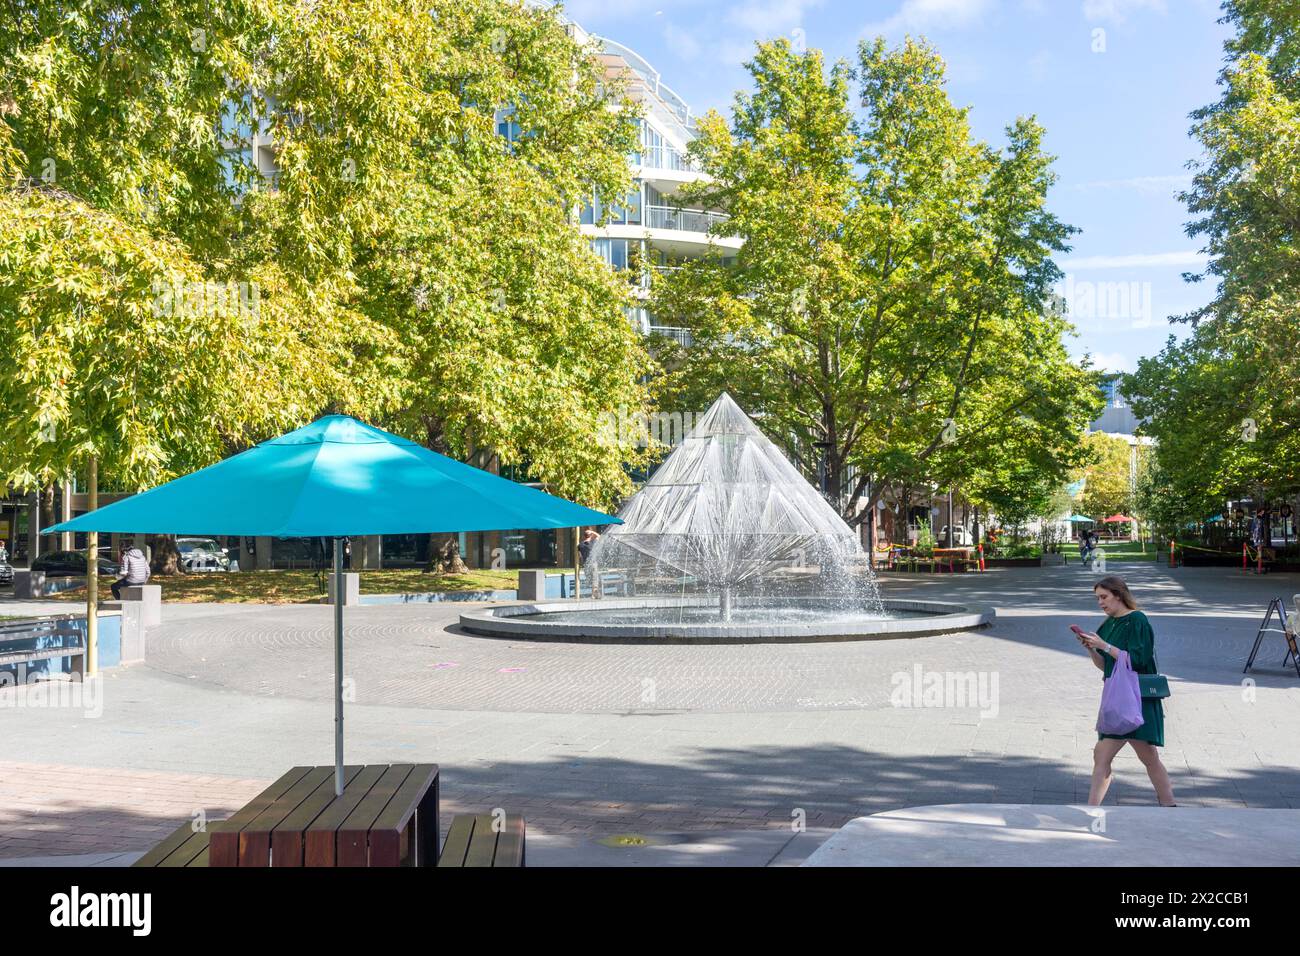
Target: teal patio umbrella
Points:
(1080, 519)
(335, 478)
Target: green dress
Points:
(1133, 633)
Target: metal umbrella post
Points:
(338, 667)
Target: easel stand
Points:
(1293, 654)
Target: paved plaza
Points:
(592, 741)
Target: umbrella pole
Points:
(338, 667)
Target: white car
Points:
(202, 554)
(961, 538)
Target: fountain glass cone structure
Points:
(726, 514)
(727, 540)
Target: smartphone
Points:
(1078, 631)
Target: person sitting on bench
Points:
(133, 570)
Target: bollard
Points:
(1244, 557)
(981, 557)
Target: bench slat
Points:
(456, 846)
(166, 846)
(510, 842)
(483, 845)
(287, 841)
(255, 835)
(354, 835)
(321, 847)
(225, 846)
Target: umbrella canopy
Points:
(1079, 519)
(335, 478)
(1115, 519)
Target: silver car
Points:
(202, 554)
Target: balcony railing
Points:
(681, 336)
(686, 220)
(666, 157)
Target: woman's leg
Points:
(1149, 754)
(1102, 755)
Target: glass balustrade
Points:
(687, 220)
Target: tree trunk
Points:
(444, 555)
(166, 558)
(47, 506)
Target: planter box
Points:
(1051, 560)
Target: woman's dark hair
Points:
(1116, 586)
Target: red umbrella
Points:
(1115, 519)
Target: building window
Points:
(613, 251)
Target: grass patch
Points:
(1128, 551)
(303, 587)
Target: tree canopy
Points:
(399, 257)
(1223, 404)
(890, 301)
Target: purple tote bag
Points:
(1121, 699)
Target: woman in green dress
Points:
(1126, 629)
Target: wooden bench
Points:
(184, 846)
(387, 816)
(477, 840)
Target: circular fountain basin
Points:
(696, 621)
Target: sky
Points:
(1112, 81)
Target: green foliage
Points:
(1223, 404)
(411, 265)
(890, 298)
(1108, 477)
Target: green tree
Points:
(411, 264)
(1108, 477)
(890, 301)
(1222, 404)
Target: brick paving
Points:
(634, 738)
(58, 810)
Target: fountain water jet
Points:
(726, 513)
(728, 541)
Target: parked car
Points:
(57, 563)
(202, 554)
(6, 573)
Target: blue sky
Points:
(1112, 81)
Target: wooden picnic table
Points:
(387, 816)
(950, 556)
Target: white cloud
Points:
(1164, 185)
(1118, 11)
(767, 18)
(1112, 362)
(1144, 260)
(918, 15)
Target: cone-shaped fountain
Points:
(727, 541)
(727, 513)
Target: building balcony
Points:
(679, 335)
(683, 220)
(665, 157)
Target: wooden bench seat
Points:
(184, 846)
(473, 840)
